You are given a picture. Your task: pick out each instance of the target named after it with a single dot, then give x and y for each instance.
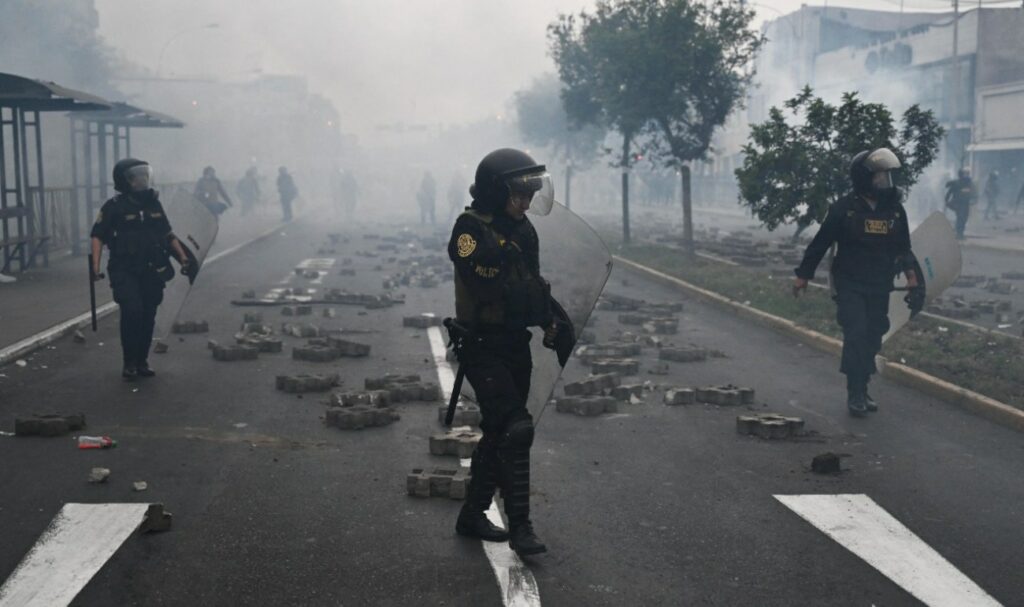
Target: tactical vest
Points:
(524, 300)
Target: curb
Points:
(976, 403)
(33, 342)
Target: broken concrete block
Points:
(315, 353)
(680, 396)
(328, 313)
(234, 353)
(662, 326)
(190, 326)
(264, 344)
(349, 348)
(438, 483)
(252, 317)
(159, 347)
(296, 310)
(685, 354)
(466, 414)
(587, 406)
(359, 417)
(423, 321)
(368, 398)
(769, 425)
(78, 337)
(727, 395)
(156, 520)
(459, 442)
(382, 383)
(628, 391)
(314, 382)
(99, 475)
(304, 331)
(139, 486)
(622, 366)
(48, 425)
(825, 463)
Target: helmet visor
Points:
(882, 180)
(139, 177)
(539, 187)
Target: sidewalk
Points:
(44, 297)
(1007, 234)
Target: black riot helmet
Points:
(505, 171)
(871, 171)
(121, 173)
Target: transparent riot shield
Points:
(938, 253)
(196, 229)
(576, 262)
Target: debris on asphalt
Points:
(156, 520)
(96, 442)
(359, 417)
(438, 483)
(593, 385)
(234, 353)
(139, 486)
(159, 347)
(460, 442)
(466, 414)
(298, 384)
(684, 354)
(99, 475)
(404, 388)
(48, 425)
(825, 463)
(21, 363)
(587, 406)
(727, 395)
(680, 396)
(769, 425)
(78, 337)
(297, 310)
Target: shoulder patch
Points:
(99, 217)
(466, 245)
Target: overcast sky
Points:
(383, 61)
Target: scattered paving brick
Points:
(826, 463)
(159, 347)
(296, 310)
(359, 417)
(609, 350)
(78, 337)
(369, 398)
(315, 353)
(48, 425)
(628, 391)
(347, 271)
(405, 388)
(621, 366)
(99, 475)
(265, 345)
(249, 294)
(182, 327)
(347, 348)
(329, 313)
(234, 353)
(311, 382)
(685, 354)
(662, 326)
(587, 406)
(769, 425)
(253, 318)
(460, 442)
(466, 414)
(157, 519)
(680, 396)
(593, 385)
(438, 482)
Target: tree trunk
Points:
(568, 184)
(684, 171)
(625, 188)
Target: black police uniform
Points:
(873, 246)
(960, 195)
(135, 228)
(499, 292)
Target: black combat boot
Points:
(129, 373)
(143, 370)
(472, 521)
(869, 403)
(515, 492)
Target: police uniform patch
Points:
(99, 217)
(466, 245)
(486, 272)
(876, 226)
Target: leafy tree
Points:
(543, 122)
(792, 173)
(667, 71)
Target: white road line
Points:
(867, 530)
(79, 540)
(518, 587)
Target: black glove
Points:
(915, 300)
(190, 270)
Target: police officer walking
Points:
(499, 293)
(134, 226)
(960, 197)
(873, 237)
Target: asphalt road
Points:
(655, 505)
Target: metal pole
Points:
(19, 193)
(955, 102)
(76, 222)
(101, 151)
(89, 173)
(3, 189)
(41, 188)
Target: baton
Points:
(449, 415)
(92, 292)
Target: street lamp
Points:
(160, 61)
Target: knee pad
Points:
(518, 434)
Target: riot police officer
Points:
(134, 226)
(873, 237)
(499, 293)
